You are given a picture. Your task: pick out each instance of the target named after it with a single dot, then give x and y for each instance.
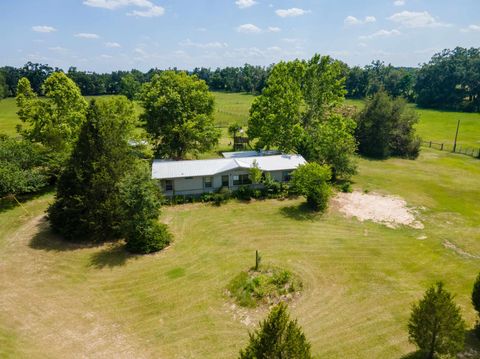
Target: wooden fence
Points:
(464, 150)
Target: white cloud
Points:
(84, 35)
(413, 19)
(149, 9)
(150, 12)
(352, 20)
(104, 56)
(399, 2)
(471, 28)
(380, 33)
(58, 49)
(112, 44)
(43, 28)
(115, 4)
(243, 4)
(248, 29)
(273, 29)
(294, 11)
(207, 45)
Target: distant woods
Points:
(450, 80)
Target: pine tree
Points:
(277, 337)
(88, 203)
(436, 325)
(476, 302)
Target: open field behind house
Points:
(360, 278)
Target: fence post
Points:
(441, 147)
(456, 136)
(430, 144)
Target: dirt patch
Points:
(459, 251)
(390, 211)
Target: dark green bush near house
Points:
(476, 303)
(141, 201)
(310, 180)
(277, 337)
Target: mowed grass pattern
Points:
(360, 278)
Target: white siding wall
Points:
(195, 185)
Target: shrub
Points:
(310, 180)
(476, 302)
(436, 325)
(277, 337)
(244, 193)
(266, 285)
(147, 237)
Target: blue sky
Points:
(106, 35)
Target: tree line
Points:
(450, 80)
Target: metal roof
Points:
(165, 169)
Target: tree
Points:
(310, 180)
(3, 85)
(385, 127)
(88, 204)
(56, 120)
(476, 302)
(141, 205)
(297, 113)
(255, 173)
(22, 167)
(130, 87)
(275, 116)
(436, 325)
(333, 143)
(277, 337)
(179, 114)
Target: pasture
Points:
(360, 278)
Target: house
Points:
(201, 176)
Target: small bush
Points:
(148, 237)
(244, 193)
(268, 285)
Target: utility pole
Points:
(456, 136)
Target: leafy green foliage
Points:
(179, 114)
(296, 113)
(55, 120)
(22, 167)
(88, 204)
(277, 337)
(130, 86)
(386, 128)
(255, 173)
(266, 285)
(436, 325)
(451, 80)
(310, 180)
(141, 199)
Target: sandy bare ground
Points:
(390, 211)
(57, 322)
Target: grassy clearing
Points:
(359, 279)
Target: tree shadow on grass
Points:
(7, 203)
(44, 239)
(300, 212)
(113, 255)
(471, 349)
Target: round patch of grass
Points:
(267, 285)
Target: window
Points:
(225, 182)
(207, 182)
(286, 176)
(168, 185)
(241, 180)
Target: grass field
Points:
(360, 278)
(60, 300)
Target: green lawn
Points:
(8, 116)
(360, 278)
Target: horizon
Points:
(109, 35)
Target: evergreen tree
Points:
(436, 325)
(141, 204)
(277, 338)
(476, 302)
(88, 203)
